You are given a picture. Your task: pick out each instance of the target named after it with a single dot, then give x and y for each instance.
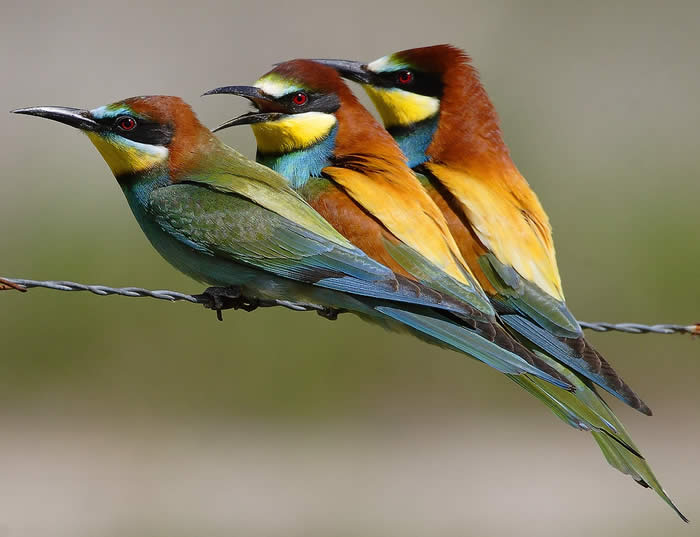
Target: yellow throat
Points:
(293, 132)
(399, 108)
(126, 156)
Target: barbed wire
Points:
(239, 302)
(225, 299)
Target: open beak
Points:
(257, 97)
(355, 71)
(75, 117)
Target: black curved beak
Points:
(355, 71)
(75, 117)
(249, 119)
(249, 92)
(253, 94)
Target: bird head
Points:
(137, 134)
(407, 86)
(438, 84)
(300, 103)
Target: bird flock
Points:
(421, 223)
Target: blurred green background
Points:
(140, 417)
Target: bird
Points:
(432, 102)
(371, 197)
(311, 128)
(230, 222)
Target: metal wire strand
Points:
(103, 290)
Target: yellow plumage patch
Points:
(401, 108)
(124, 156)
(404, 207)
(508, 219)
(293, 132)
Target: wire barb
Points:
(6, 284)
(249, 304)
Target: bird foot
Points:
(226, 298)
(329, 313)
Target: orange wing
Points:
(508, 219)
(398, 200)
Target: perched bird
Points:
(432, 102)
(228, 221)
(311, 128)
(367, 192)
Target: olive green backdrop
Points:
(125, 417)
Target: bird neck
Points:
(299, 165)
(194, 150)
(468, 133)
(414, 139)
(137, 187)
(362, 141)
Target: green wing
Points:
(584, 409)
(547, 322)
(231, 227)
(420, 267)
(528, 299)
(229, 172)
(234, 228)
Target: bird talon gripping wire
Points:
(224, 298)
(329, 313)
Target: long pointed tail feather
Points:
(579, 355)
(581, 408)
(585, 409)
(471, 343)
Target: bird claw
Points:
(329, 313)
(225, 298)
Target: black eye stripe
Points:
(316, 102)
(145, 132)
(429, 84)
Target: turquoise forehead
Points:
(388, 64)
(112, 110)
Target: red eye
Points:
(405, 77)
(126, 123)
(300, 99)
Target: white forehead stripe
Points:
(384, 64)
(276, 87)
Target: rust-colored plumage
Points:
(373, 198)
(370, 168)
(468, 133)
(190, 138)
(488, 204)
(468, 155)
(356, 225)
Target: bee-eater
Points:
(370, 196)
(432, 102)
(228, 221)
(311, 128)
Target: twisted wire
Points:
(103, 290)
